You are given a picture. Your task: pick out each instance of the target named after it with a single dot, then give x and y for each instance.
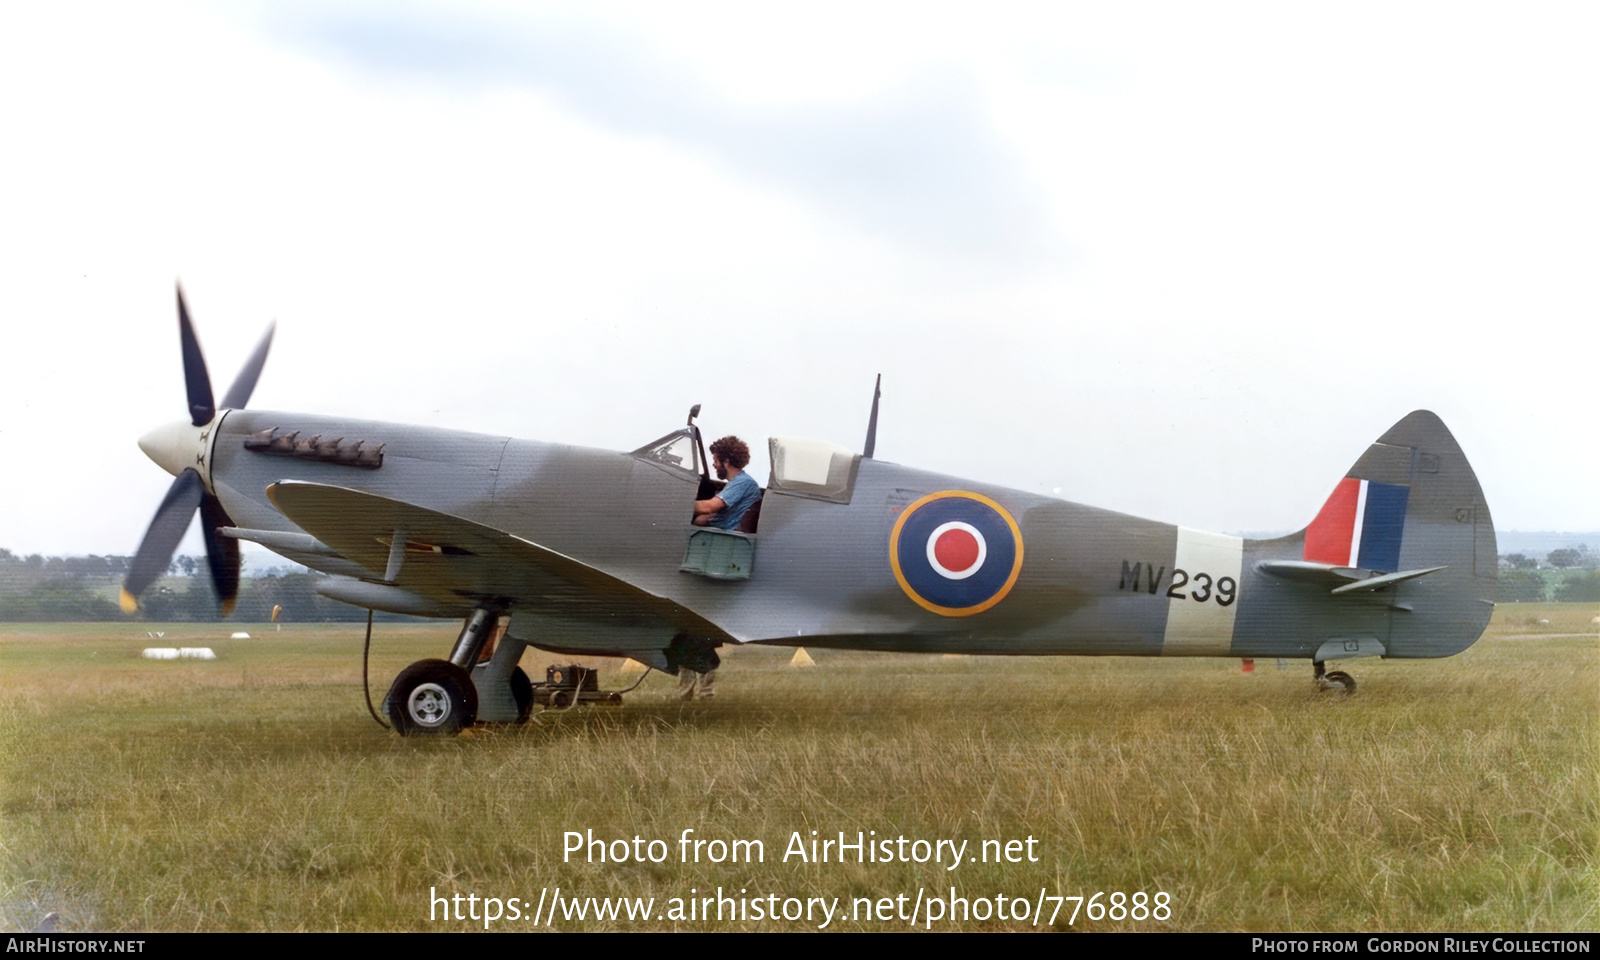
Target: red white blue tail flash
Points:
(1360, 526)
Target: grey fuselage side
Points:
(1092, 582)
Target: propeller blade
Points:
(222, 553)
(239, 394)
(155, 551)
(202, 405)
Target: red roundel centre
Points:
(956, 549)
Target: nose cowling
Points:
(179, 446)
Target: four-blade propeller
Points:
(168, 447)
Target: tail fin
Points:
(1412, 503)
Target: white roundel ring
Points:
(956, 550)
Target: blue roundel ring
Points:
(956, 553)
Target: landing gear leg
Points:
(474, 633)
(1336, 681)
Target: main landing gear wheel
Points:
(432, 697)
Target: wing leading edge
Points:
(448, 559)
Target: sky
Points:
(1183, 261)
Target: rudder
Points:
(1412, 502)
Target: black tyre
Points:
(1340, 682)
(522, 690)
(431, 698)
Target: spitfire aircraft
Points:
(593, 552)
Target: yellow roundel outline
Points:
(894, 554)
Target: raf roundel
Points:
(956, 553)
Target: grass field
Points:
(253, 792)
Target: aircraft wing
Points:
(448, 559)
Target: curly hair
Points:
(732, 451)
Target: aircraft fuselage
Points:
(856, 573)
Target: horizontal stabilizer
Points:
(1308, 571)
(1387, 580)
(1339, 580)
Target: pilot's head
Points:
(729, 452)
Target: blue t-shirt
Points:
(737, 497)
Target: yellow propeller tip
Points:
(130, 603)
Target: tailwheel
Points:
(1340, 682)
(431, 697)
(1336, 681)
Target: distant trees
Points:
(1580, 588)
(58, 600)
(1525, 583)
(1521, 586)
(1563, 558)
(78, 589)
(34, 568)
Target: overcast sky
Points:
(1180, 260)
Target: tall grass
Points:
(254, 793)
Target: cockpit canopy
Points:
(815, 469)
(812, 468)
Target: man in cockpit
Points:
(730, 456)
